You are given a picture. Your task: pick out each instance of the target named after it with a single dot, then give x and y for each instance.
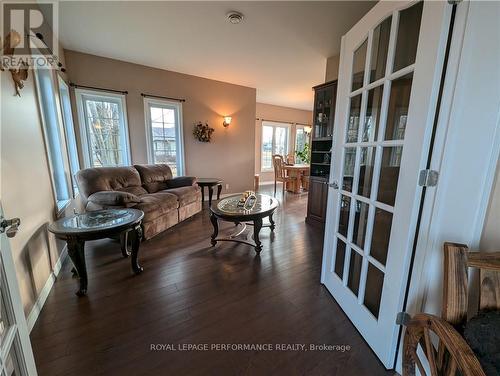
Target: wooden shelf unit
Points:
(321, 152)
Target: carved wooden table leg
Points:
(135, 239)
(124, 244)
(257, 225)
(271, 220)
(210, 195)
(76, 251)
(213, 219)
(219, 190)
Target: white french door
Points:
(390, 68)
(16, 355)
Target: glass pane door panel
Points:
(381, 234)
(380, 46)
(354, 272)
(354, 113)
(372, 117)
(373, 291)
(3, 319)
(360, 224)
(339, 258)
(345, 208)
(366, 171)
(358, 66)
(407, 39)
(12, 366)
(397, 112)
(349, 163)
(389, 175)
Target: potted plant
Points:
(304, 155)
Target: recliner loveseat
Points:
(165, 200)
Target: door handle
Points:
(9, 226)
(334, 185)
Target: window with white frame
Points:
(302, 136)
(69, 130)
(104, 129)
(54, 135)
(164, 131)
(275, 139)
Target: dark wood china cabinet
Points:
(321, 151)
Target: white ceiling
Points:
(280, 48)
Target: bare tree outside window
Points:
(106, 130)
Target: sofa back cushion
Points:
(154, 177)
(124, 179)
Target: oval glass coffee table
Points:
(231, 210)
(79, 228)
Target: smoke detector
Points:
(234, 17)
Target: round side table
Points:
(210, 183)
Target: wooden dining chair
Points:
(280, 172)
(290, 159)
(453, 355)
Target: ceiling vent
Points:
(234, 17)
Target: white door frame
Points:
(455, 209)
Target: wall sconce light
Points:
(307, 129)
(227, 121)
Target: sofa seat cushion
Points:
(186, 195)
(157, 204)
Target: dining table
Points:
(296, 171)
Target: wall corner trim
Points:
(44, 293)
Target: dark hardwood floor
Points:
(190, 293)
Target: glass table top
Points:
(233, 205)
(95, 221)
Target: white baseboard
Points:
(42, 297)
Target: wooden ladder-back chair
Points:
(279, 172)
(453, 355)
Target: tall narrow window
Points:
(164, 130)
(104, 129)
(69, 130)
(301, 140)
(54, 135)
(275, 140)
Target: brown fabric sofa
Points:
(164, 200)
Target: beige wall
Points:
(281, 114)
(332, 68)
(230, 156)
(26, 189)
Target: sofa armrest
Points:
(181, 181)
(113, 198)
